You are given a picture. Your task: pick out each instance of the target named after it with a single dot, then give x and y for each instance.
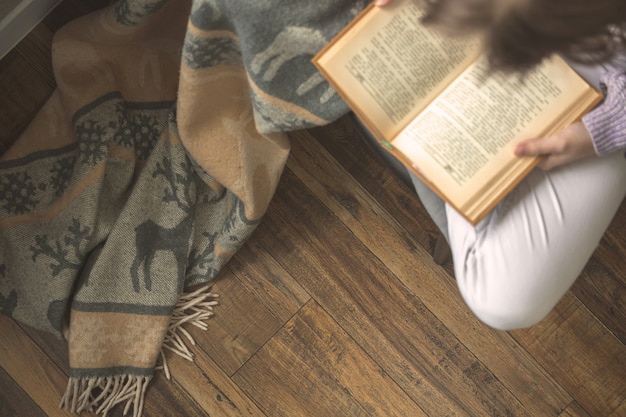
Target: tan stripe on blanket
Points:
(70, 195)
(101, 340)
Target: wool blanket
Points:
(149, 166)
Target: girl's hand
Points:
(565, 146)
(381, 2)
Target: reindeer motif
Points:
(151, 237)
(8, 303)
(292, 42)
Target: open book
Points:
(432, 102)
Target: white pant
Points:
(516, 264)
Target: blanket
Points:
(149, 166)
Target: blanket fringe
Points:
(100, 394)
(192, 308)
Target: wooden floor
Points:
(334, 308)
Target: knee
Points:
(508, 316)
(507, 299)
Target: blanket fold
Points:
(150, 165)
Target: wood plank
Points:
(69, 10)
(26, 78)
(396, 248)
(166, 399)
(257, 286)
(621, 410)
(574, 410)
(586, 359)
(241, 325)
(344, 142)
(163, 398)
(379, 312)
(313, 355)
(24, 91)
(31, 369)
(55, 348)
(36, 50)
(38, 376)
(602, 285)
(603, 293)
(210, 387)
(14, 401)
(262, 275)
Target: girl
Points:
(515, 265)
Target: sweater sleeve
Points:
(607, 122)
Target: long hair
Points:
(521, 33)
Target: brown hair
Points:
(521, 33)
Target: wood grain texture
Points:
(31, 369)
(574, 410)
(586, 359)
(262, 275)
(379, 311)
(334, 306)
(311, 353)
(14, 401)
(210, 387)
(438, 292)
(240, 327)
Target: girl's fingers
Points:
(534, 147)
(570, 144)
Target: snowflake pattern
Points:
(131, 13)
(136, 126)
(91, 138)
(17, 193)
(208, 52)
(138, 129)
(61, 174)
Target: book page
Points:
(389, 66)
(464, 141)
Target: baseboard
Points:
(18, 18)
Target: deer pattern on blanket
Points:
(131, 180)
(288, 93)
(185, 192)
(66, 211)
(150, 237)
(152, 163)
(283, 49)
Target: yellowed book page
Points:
(388, 66)
(463, 143)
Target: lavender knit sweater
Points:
(607, 122)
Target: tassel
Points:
(192, 308)
(79, 395)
